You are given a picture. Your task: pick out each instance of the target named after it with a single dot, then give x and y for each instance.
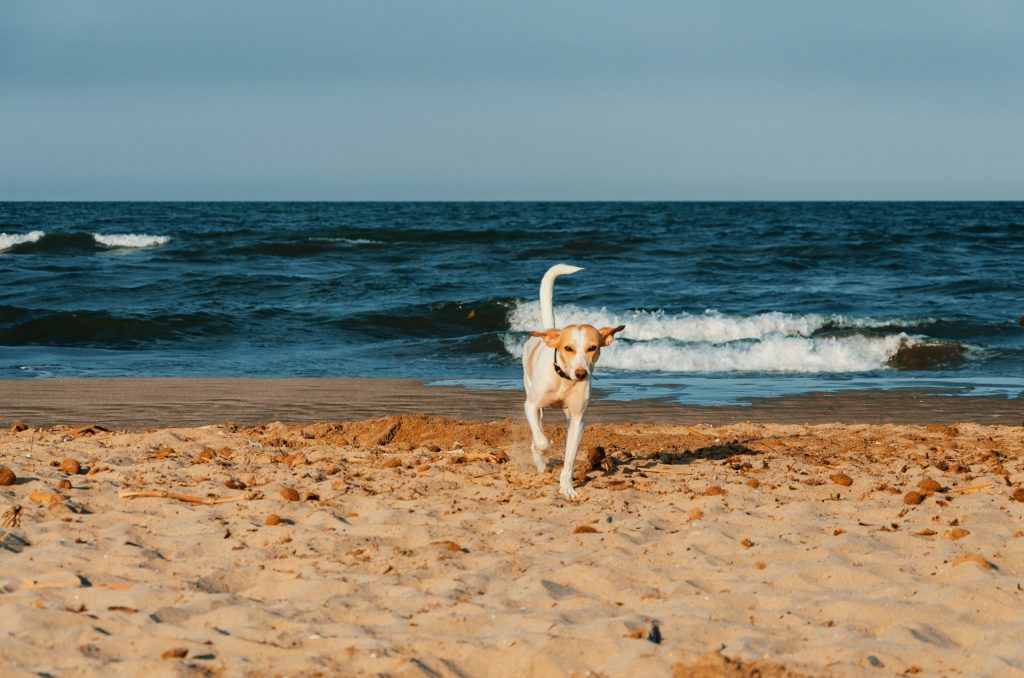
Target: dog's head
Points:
(577, 347)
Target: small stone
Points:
(175, 653)
(7, 476)
(19, 426)
(234, 484)
(713, 490)
(913, 498)
(841, 479)
(753, 482)
(694, 514)
(64, 484)
(928, 486)
(273, 519)
(43, 497)
(584, 529)
(290, 494)
(654, 634)
(1018, 494)
(957, 533)
(71, 466)
(746, 543)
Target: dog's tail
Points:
(547, 285)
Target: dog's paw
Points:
(565, 489)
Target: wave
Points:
(130, 240)
(433, 320)
(100, 329)
(655, 341)
(9, 240)
(350, 241)
(711, 326)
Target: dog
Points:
(557, 367)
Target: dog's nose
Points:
(582, 374)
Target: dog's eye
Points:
(591, 349)
(570, 349)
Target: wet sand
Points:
(143, 403)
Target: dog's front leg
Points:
(572, 446)
(539, 443)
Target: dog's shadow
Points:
(731, 453)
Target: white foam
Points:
(9, 240)
(715, 342)
(130, 240)
(774, 353)
(711, 326)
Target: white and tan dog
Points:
(560, 377)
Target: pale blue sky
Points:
(389, 100)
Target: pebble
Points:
(713, 490)
(841, 479)
(290, 494)
(7, 476)
(913, 498)
(272, 519)
(71, 466)
(929, 485)
(582, 529)
(957, 533)
(1018, 494)
(175, 653)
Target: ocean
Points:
(722, 302)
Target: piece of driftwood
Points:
(973, 488)
(190, 498)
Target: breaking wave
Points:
(655, 341)
(131, 240)
(9, 240)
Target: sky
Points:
(523, 100)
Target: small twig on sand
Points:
(488, 473)
(190, 498)
(696, 432)
(968, 490)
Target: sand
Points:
(421, 546)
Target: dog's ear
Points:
(550, 337)
(608, 334)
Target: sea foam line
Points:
(774, 353)
(711, 326)
(130, 239)
(9, 240)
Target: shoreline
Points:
(135, 403)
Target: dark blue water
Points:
(722, 301)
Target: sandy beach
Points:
(417, 545)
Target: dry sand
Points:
(417, 546)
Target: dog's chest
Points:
(566, 393)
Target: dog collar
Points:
(558, 370)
